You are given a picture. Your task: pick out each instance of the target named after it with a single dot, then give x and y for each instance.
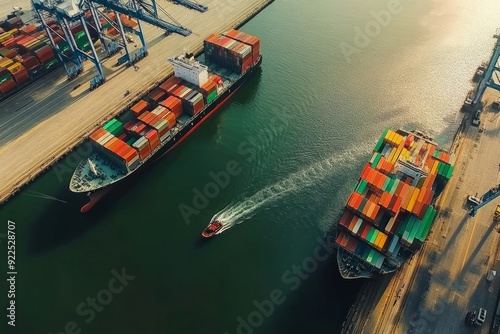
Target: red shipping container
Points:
(11, 54)
(28, 29)
(157, 95)
(140, 107)
(153, 138)
(198, 107)
(129, 125)
(173, 80)
(7, 86)
(21, 76)
(145, 152)
(76, 28)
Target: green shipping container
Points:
(402, 227)
(430, 214)
(376, 160)
(79, 34)
(380, 142)
(5, 77)
(394, 187)
(211, 97)
(386, 184)
(449, 172)
(370, 234)
(51, 64)
(361, 186)
(366, 252)
(109, 124)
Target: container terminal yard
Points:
(455, 273)
(50, 117)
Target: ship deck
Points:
(84, 179)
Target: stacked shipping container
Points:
(391, 207)
(155, 116)
(228, 53)
(28, 47)
(120, 152)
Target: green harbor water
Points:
(286, 150)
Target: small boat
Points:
(211, 229)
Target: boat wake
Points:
(237, 213)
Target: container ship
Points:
(168, 114)
(388, 216)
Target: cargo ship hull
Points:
(389, 215)
(96, 195)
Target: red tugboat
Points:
(211, 229)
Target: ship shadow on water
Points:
(50, 230)
(327, 286)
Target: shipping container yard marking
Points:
(11, 272)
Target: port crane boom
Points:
(142, 15)
(489, 196)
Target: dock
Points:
(51, 117)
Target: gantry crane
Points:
(478, 203)
(67, 12)
(487, 80)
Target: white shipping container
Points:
(105, 139)
(158, 110)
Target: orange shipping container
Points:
(140, 107)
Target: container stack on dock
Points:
(26, 49)
(390, 213)
(24, 54)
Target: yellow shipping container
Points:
(15, 68)
(407, 198)
(383, 241)
(388, 135)
(391, 155)
(434, 167)
(4, 37)
(398, 152)
(6, 62)
(413, 200)
(377, 240)
(13, 31)
(399, 139)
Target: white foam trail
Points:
(237, 213)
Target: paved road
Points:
(49, 118)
